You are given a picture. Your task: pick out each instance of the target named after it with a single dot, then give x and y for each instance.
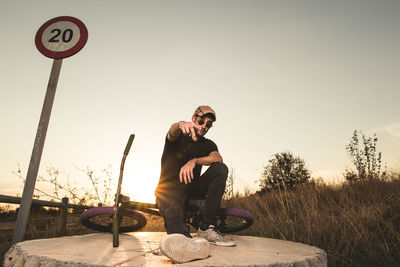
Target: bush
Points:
(284, 171)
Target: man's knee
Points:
(220, 168)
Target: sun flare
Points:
(140, 183)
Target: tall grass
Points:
(356, 224)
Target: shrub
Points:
(284, 171)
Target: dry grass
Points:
(357, 225)
(154, 224)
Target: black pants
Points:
(209, 186)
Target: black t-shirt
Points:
(176, 154)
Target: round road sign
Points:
(61, 37)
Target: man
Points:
(186, 150)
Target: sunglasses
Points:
(209, 124)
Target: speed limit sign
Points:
(58, 38)
(61, 37)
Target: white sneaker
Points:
(180, 248)
(214, 236)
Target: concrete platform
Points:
(140, 249)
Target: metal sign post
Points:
(58, 38)
(30, 181)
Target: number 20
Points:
(65, 37)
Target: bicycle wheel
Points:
(232, 220)
(100, 219)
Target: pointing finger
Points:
(193, 132)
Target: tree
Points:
(365, 158)
(284, 171)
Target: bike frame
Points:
(145, 207)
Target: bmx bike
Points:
(127, 216)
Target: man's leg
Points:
(172, 212)
(177, 245)
(210, 186)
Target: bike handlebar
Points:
(129, 144)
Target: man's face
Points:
(204, 123)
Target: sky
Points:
(295, 76)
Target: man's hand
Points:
(188, 128)
(186, 173)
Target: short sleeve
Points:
(211, 146)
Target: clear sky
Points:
(281, 75)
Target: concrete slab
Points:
(140, 249)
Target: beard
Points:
(200, 133)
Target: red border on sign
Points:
(70, 52)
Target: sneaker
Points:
(212, 235)
(180, 248)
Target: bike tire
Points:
(138, 223)
(231, 220)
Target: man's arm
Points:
(174, 132)
(186, 173)
(185, 127)
(208, 160)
